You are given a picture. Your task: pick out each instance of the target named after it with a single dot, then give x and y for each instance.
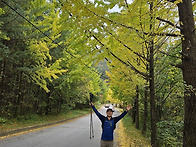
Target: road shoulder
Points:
(35, 127)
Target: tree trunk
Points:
(152, 87)
(18, 93)
(152, 101)
(3, 103)
(134, 112)
(137, 107)
(189, 71)
(47, 103)
(59, 104)
(145, 110)
(159, 112)
(21, 91)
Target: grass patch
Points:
(30, 120)
(135, 137)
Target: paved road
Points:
(70, 134)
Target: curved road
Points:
(73, 133)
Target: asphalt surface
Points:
(75, 133)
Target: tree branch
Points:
(185, 55)
(136, 70)
(170, 23)
(171, 1)
(126, 3)
(125, 63)
(139, 55)
(169, 54)
(165, 34)
(130, 27)
(177, 65)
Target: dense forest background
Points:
(41, 73)
(55, 52)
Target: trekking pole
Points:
(91, 119)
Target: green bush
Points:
(2, 120)
(170, 133)
(28, 118)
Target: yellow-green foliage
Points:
(111, 99)
(122, 37)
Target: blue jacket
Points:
(108, 125)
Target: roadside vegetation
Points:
(34, 119)
(134, 136)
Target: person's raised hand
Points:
(91, 104)
(129, 107)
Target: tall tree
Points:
(188, 32)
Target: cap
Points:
(109, 109)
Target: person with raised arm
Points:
(108, 124)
